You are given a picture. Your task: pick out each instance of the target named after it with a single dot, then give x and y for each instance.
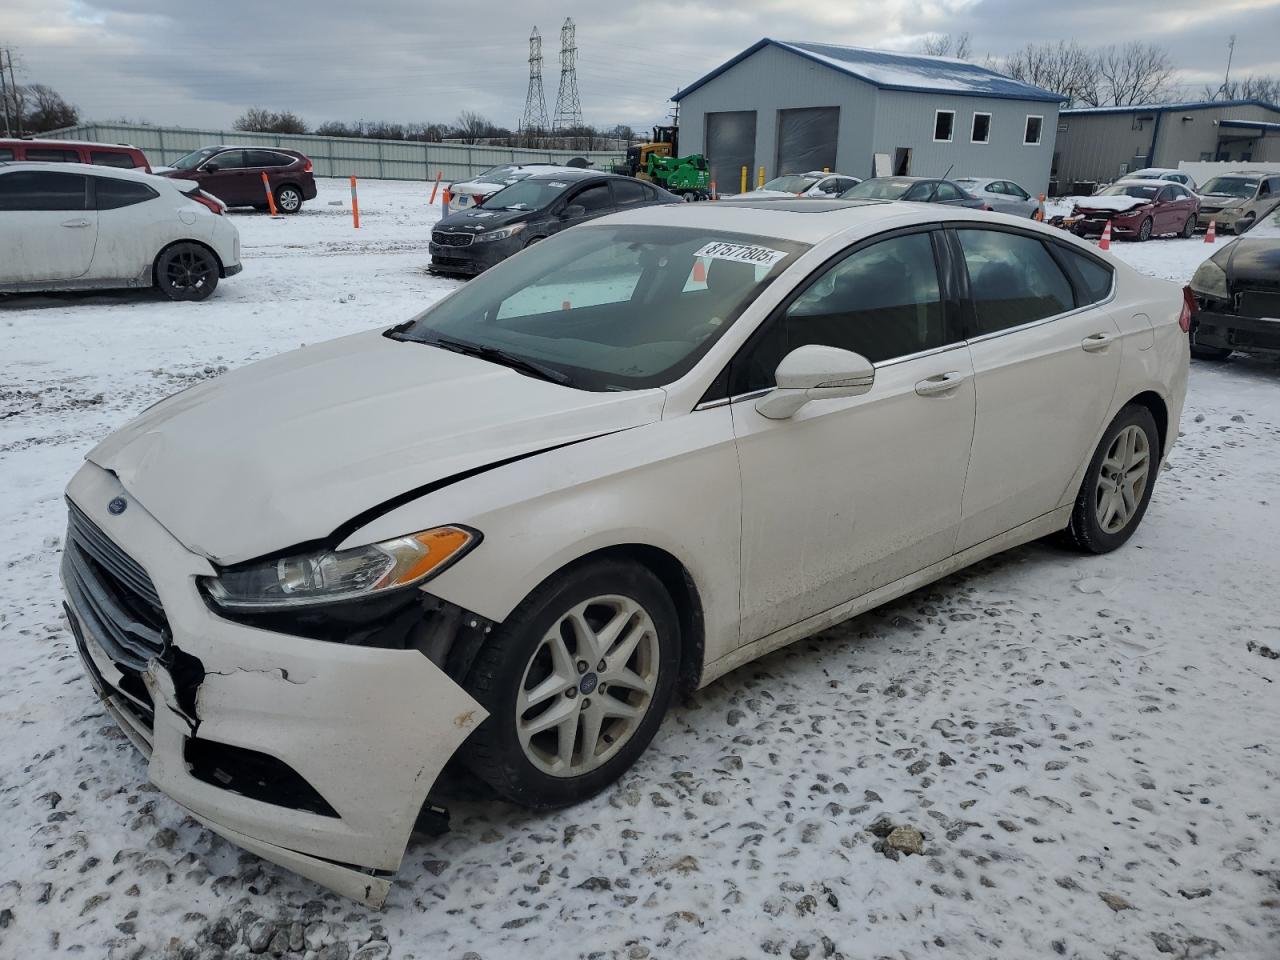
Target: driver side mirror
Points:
(573, 211)
(210, 167)
(815, 372)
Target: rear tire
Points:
(186, 271)
(576, 682)
(1117, 484)
(288, 198)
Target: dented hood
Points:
(288, 449)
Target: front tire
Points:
(1117, 484)
(1189, 228)
(1144, 230)
(186, 271)
(288, 198)
(576, 683)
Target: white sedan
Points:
(619, 464)
(465, 194)
(814, 185)
(68, 226)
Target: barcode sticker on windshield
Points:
(741, 253)
(557, 184)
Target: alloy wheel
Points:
(188, 270)
(1122, 479)
(1144, 231)
(290, 199)
(588, 686)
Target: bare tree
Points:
(471, 127)
(1250, 88)
(48, 111)
(1063, 67)
(259, 120)
(1135, 73)
(948, 45)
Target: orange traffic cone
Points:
(699, 270)
(1105, 242)
(1211, 235)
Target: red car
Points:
(74, 151)
(233, 174)
(1137, 210)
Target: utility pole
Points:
(534, 120)
(1231, 49)
(4, 93)
(568, 106)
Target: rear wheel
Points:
(186, 271)
(288, 199)
(1144, 231)
(576, 682)
(1117, 484)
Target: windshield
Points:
(1140, 190)
(795, 183)
(611, 307)
(526, 195)
(193, 160)
(1243, 187)
(878, 189)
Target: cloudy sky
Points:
(202, 63)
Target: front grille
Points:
(1259, 303)
(451, 239)
(113, 595)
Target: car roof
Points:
(42, 142)
(1155, 170)
(114, 173)
(806, 221)
(572, 173)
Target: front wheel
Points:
(1189, 228)
(576, 683)
(1144, 231)
(1117, 484)
(288, 199)
(186, 271)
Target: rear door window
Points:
(6, 153)
(112, 194)
(627, 193)
(111, 158)
(1012, 280)
(228, 159)
(946, 192)
(266, 158)
(50, 155)
(594, 199)
(37, 190)
(1093, 279)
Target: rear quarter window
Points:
(1093, 279)
(111, 158)
(113, 194)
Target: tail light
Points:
(212, 203)
(307, 168)
(1188, 307)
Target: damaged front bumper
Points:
(316, 755)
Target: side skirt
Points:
(1034, 530)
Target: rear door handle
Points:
(1096, 342)
(942, 383)
(75, 223)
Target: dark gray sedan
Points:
(921, 189)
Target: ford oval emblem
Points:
(117, 506)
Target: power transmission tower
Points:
(568, 106)
(535, 103)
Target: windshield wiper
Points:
(501, 357)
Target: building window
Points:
(1031, 136)
(981, 128)
(944, 122)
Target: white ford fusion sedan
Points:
(621, 463)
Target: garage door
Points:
(731, 145)
(807, 139)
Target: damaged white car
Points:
(618, 465)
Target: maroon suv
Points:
(234, 175)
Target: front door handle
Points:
(75, 223)
(941, 384)
(1096, 342)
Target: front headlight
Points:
(1210, 280)
(331, 575)
(502, 234)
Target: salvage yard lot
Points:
(1087, 744)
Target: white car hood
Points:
(1118, 204)
(289, 449)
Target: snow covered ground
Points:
(1088, 745)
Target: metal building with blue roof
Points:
(790, 107)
